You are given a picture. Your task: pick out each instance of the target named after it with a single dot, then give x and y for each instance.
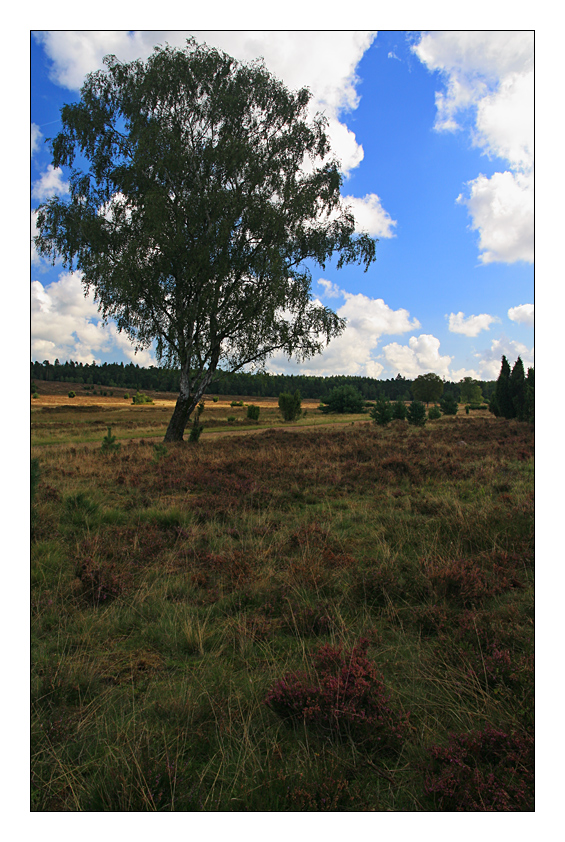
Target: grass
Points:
(171, 596)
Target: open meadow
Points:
(323, 615)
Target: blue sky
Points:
(435, 134)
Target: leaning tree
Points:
(201, 194)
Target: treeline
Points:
(158, 379)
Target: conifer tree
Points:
(517, 384)
(502, 404)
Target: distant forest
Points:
(154, 378)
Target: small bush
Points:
(72, 394)
(382, 412)
(139, 399)
(126, 396)
(434, 413)
(253, 412)
(343, 399)
(399, 411)
(290, 405)
(215, 400)
(346, 700)
(197, 427)
(448, 405)
(416, 414)
(109, 443)
(483, 771)
(231, 419)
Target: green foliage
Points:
(518, 389)
(502, 404)
(215, 399)
(197, 427)
(109, 443)
(448, 405)
(160, 451)
(126, 396)
(35, 473)
(139, 399)
(416, 414)
(434, 413)
(382, 412)
(471, 391)
(253, 412)
(343, 399)
(427, 387)
(203, 155)
(290, 405)
(399, 410)
(72, 394)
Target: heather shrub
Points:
(416, 414)
(345, 698)
(482, 771)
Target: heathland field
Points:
(310, 616)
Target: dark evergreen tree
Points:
(416, 414)
(502, 404)
(518, 390)
(427, 387)
(448, 405)
(399, 410)
(382, 412)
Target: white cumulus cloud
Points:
(523, 314)
(488, 82)
(420, 356)
(35, 138)
(51, 183)
(354, 352)
(66, 324)
(470, 325)
(490, 358)
(370, 216)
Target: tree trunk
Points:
(179, 420)
(186, 402)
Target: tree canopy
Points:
(427, 387)
(200, 193)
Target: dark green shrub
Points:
(109, 443)
(139, 399)
(126, 396)
(343, 399)
(231, 419)
(434, 413)
(416, 414)
(448, 405)
(399, 411)
(290, 405)
(215, 399)
(382, 412)
(253, 412)
(197, 427)
(72, 394)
